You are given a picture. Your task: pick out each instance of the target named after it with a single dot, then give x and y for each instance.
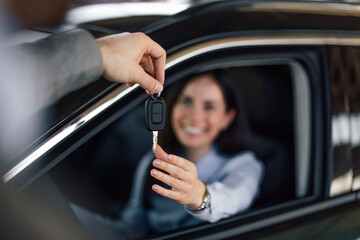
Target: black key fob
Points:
(155, 110)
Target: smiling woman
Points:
(208, 176)
(207, 126)
(200, 114)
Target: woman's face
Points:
(200, 114)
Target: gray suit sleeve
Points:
(58, 64)
(35, 75)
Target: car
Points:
(296, 64)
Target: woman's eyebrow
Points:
(211, 101)
(184, 96)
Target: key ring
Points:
(155, 97)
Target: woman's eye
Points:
(209, 107)
(186, 101)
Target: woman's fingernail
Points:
(154, 172)
(157, 163)
(155, 187)
(170, 157)
(158, 87)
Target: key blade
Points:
(155, 140)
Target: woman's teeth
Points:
(193, 130)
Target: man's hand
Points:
(133, 58)
(186, 188)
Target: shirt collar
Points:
(208, 165)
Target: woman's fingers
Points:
(183, 193)
(173, 170)
(161, 163)
(166, 178)
(160, 153)
(175, 160)
(182, 163)
(181, 175)
(165, 192)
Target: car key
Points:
(155, 109)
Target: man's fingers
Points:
(158, 56)
(133, 58)
(147, 64)
(159, 68)
(149, 83)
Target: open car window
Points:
(276, 90)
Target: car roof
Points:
(95, 10)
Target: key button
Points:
(156, 113)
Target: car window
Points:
(100, 174)
(95, 166)
(345, 111)
(354, 93)
(76, 101)
(121, 15)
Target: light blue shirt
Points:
(233, 183)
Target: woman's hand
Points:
(186, 188)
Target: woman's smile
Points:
(193, 130)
